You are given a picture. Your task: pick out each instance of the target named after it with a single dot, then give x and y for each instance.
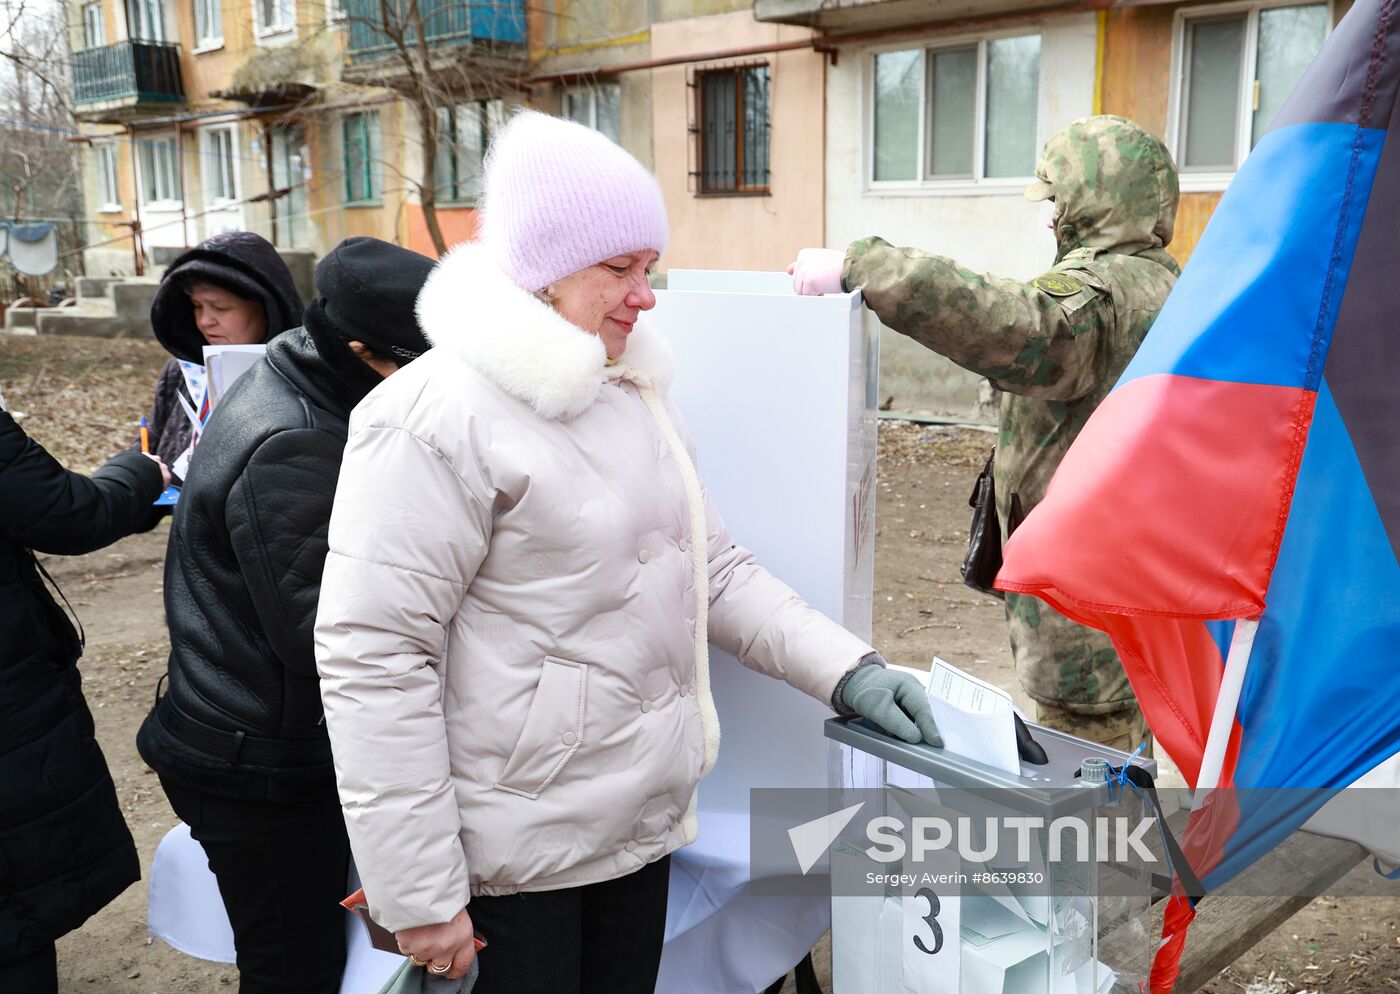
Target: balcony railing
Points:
(375, 24)
(143, 71)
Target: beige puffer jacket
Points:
(512, 625)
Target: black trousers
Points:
(281, 870)
(597, 939)
(37, 973)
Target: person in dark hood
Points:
(65, 851)
(231, 289)
(238, 739)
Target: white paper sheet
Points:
(226, 363)
(974, 717)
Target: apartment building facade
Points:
(771, 125)
(291, 118)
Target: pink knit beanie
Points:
(560, 197)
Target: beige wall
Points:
(740, 232)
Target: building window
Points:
(273, 16)
(160, 171)
(94, 30)
(963, 113)
(208, 23)
(464, 130)
(360, 132)
(733, 128)
(1236, 70)
(598, 107)
(109, 199)
(146, 20)
(217, 165)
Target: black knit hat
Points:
(366, 288)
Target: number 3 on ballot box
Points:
(931, 952)
(931, 920)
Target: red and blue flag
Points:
(1247, 466)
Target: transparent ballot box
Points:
(955, 877)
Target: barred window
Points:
(733, 124)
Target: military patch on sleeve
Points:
(1058, 285)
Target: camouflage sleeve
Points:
(1022, 338)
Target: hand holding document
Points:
(975, 718)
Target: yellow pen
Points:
(145, 436)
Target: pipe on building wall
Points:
(184, 187)
(136, 250)
(1102, 34)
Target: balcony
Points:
(842, 16)
(126, 76)
(375, 24)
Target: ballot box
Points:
(954, 877)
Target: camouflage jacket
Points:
(1055, 346)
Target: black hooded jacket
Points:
(64, 849)
(241, 716)
(240, 262)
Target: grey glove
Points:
(894, 701)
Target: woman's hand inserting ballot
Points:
(896, 702)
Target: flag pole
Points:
(1226, 704)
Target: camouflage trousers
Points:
(1074, 676)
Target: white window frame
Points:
(108, 185)
(213, 16)
(286, 8)
(170, 141)
(213, 142)
(94, 26)
(1205, 180)
(592, 97)
(923, 184)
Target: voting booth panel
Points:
(779, 393)
(1000, 925)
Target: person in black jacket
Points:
(231, 289)
(238, 739)
(64, 849)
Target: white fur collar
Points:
(472, 310)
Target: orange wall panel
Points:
(1191, 219)
(1137, 65)
(458, 224)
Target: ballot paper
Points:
(224, 364)
(974, 717)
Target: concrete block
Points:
(95, 286)
(132, 299)
(20, 317)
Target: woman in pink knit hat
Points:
(525, 572)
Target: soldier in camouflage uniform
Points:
(1055, 346)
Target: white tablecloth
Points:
(720, 937)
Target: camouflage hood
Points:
(1114, 186)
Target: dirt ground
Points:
(80, 398)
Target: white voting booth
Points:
(779, 392)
